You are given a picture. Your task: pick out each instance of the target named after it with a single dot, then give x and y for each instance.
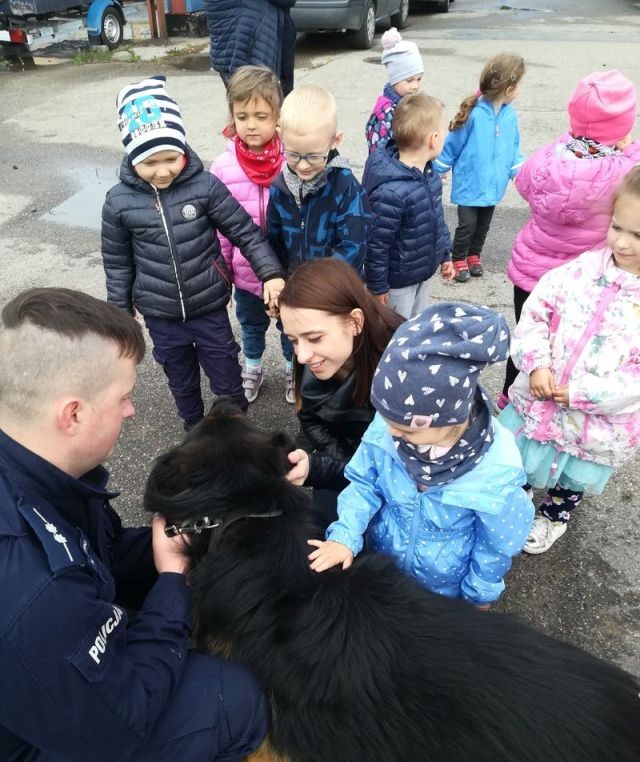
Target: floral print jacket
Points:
(582, 321)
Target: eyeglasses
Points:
(314, 159)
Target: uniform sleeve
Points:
(498, 537)
(226, 215)
(452, 148)
(94, 685)
(531, 339)
(352, 220)
(359, 502)
(386, 220)
(117, 258)
(274, 231)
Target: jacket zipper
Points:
(261, 214)
(412, 539)
(173, 259)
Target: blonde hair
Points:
(498, 75)
(415, 118)
(308, 107)
(630, 186)
(250, 82)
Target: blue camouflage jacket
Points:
(457, 539)
(331, 222)
(80, 683)
(408, 238)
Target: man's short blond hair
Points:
(416, 117)
(309, 107)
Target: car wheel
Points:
(443, 6)
(111, 27)
(399, 19)
(363, 38)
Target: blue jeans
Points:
(254, 323)
(182, 347)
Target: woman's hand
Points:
(299, 467)
(329, 554)
(541, 383)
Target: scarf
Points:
(434, 465)
(585, 148)
(300, 189)
(261, 168)
(391, 94)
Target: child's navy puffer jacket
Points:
(408, 238)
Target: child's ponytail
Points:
(465, 109)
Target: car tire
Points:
(363, 38)
(111, 27)
(443, 6)
(399, 19)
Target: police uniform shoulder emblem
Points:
(189, 212)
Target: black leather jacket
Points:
(330, 428)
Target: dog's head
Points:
(224, 467)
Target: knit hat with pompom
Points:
(402, 58)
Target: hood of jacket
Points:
(129, 176)
(384, 166)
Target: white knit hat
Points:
(149, 120)
(402, 58)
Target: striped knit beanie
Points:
(149, 120)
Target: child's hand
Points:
(272, 289)
(561, 395)
(541, 383)
(483, 607)
(329, 554)
(447, 270)
(382, 298)
(299, 467)
(621, 144)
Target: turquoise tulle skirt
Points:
(538, 458)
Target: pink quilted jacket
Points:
(570, 202)
(254, 199)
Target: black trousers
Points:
(519, 298)
(473, 226)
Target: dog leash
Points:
(216, 525)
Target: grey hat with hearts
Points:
(429, 372)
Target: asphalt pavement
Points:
(60, 153)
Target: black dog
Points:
(364, 665)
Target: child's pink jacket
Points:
(582, 321)
(570, 202)
(254, 199)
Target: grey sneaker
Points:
(290, 391)
(251, 382)
(543, 534)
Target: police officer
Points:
(80, 682)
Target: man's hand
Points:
(541, 383)
(300, 467)
(382, 298)
(447, 270)
(272, 289)
(561, 395)
(329, 554)
(168, 552)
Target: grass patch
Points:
(88, 56)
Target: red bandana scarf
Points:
(261, 168)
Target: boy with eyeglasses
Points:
(317, 208)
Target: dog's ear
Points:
(282, 445)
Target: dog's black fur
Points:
(364, 665)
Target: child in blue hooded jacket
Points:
(436, 481)
(483, 150)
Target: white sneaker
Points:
(290, 392)
(543, 534)
(252, 379)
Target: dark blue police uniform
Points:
(79, 682)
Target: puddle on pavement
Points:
(84, 208)
(190, 63)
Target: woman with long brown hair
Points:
(339, 332)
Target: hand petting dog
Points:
(329, 554)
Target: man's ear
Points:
(337, 140)
(69, 414)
